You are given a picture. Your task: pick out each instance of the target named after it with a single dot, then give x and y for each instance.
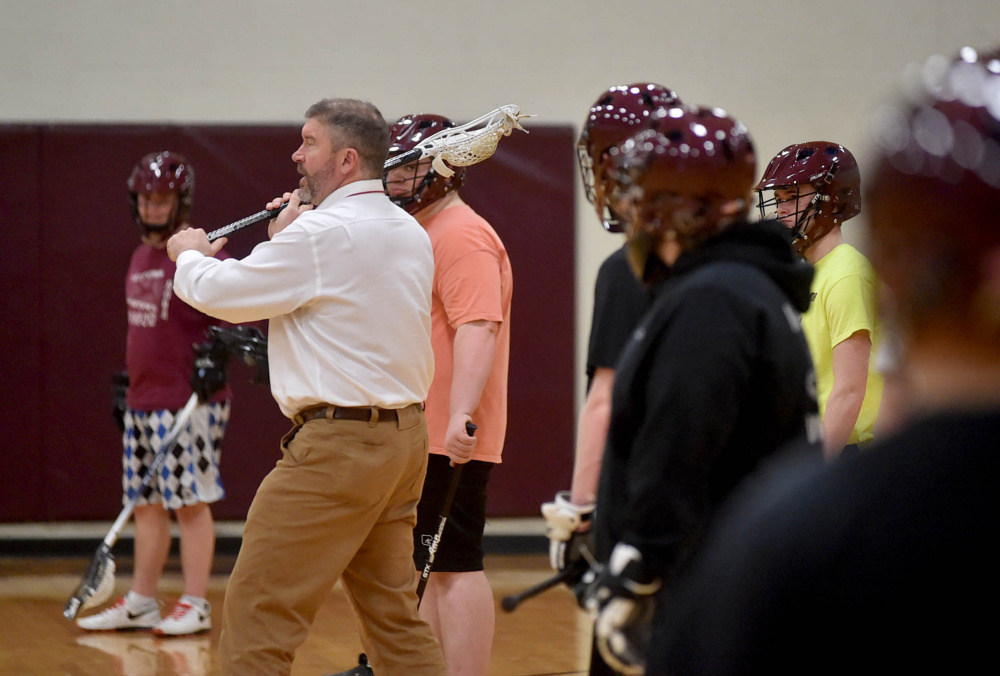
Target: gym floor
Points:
(545, 636)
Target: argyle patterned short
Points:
(190, 473)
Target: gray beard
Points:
(306, 192)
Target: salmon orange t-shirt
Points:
(472, 282)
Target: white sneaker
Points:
(120, 616)
(189, 616)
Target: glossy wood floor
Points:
(546, 635)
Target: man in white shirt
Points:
(346, 285)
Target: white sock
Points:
(137, 602)
(196, 601)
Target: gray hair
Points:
(356, 124)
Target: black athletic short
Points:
(461, 547)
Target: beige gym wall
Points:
(793, 70)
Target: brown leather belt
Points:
(368, 414)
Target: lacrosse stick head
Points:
(616, 115)
(476, 141)
(422, 182)
(97, 585)
(162, 172)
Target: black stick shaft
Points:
(509, 603)
(403, 158)
(103, 552)
(449, 497)
(268, 214)
(243, 223)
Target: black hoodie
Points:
(715, 378)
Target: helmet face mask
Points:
(158, 213)
(408, 185)
(614, 117)
(586, 164)
(157, 174)
(415, 186)
(825, 171)
(795, 206)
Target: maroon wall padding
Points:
(21, 299)
(68, 237)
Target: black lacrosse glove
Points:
(247, 343)
(568, 547)
(621, 599)
(254, 354)
(119, 392)
(209, 374)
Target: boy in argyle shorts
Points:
(159, 355)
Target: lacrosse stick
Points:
(465, 144)
(449, 497)
(462, 146)
(98, 582)
(208, 378)
(235, 226)
(509, 603)
(571, 575)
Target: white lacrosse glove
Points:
(562, 519)
(621, 598)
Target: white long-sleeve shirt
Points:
(347, 290)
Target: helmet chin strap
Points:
(643, 260)
(814, 207)
(800, 234)
(156, 235)
(425, 182)
(806, 215)
(611, 220)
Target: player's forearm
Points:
(473, 352)
(842, 410)
(591, 437)
(850, 380)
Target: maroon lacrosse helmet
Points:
(618, 114)
(935, 192)
(410, 188)
(826, 170)
(162, 172)
(689, 176)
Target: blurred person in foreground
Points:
(620, 301)
(884, 559)
(715, 378)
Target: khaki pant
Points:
(341, 503)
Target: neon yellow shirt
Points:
(843, 302)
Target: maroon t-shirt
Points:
(162, 330)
